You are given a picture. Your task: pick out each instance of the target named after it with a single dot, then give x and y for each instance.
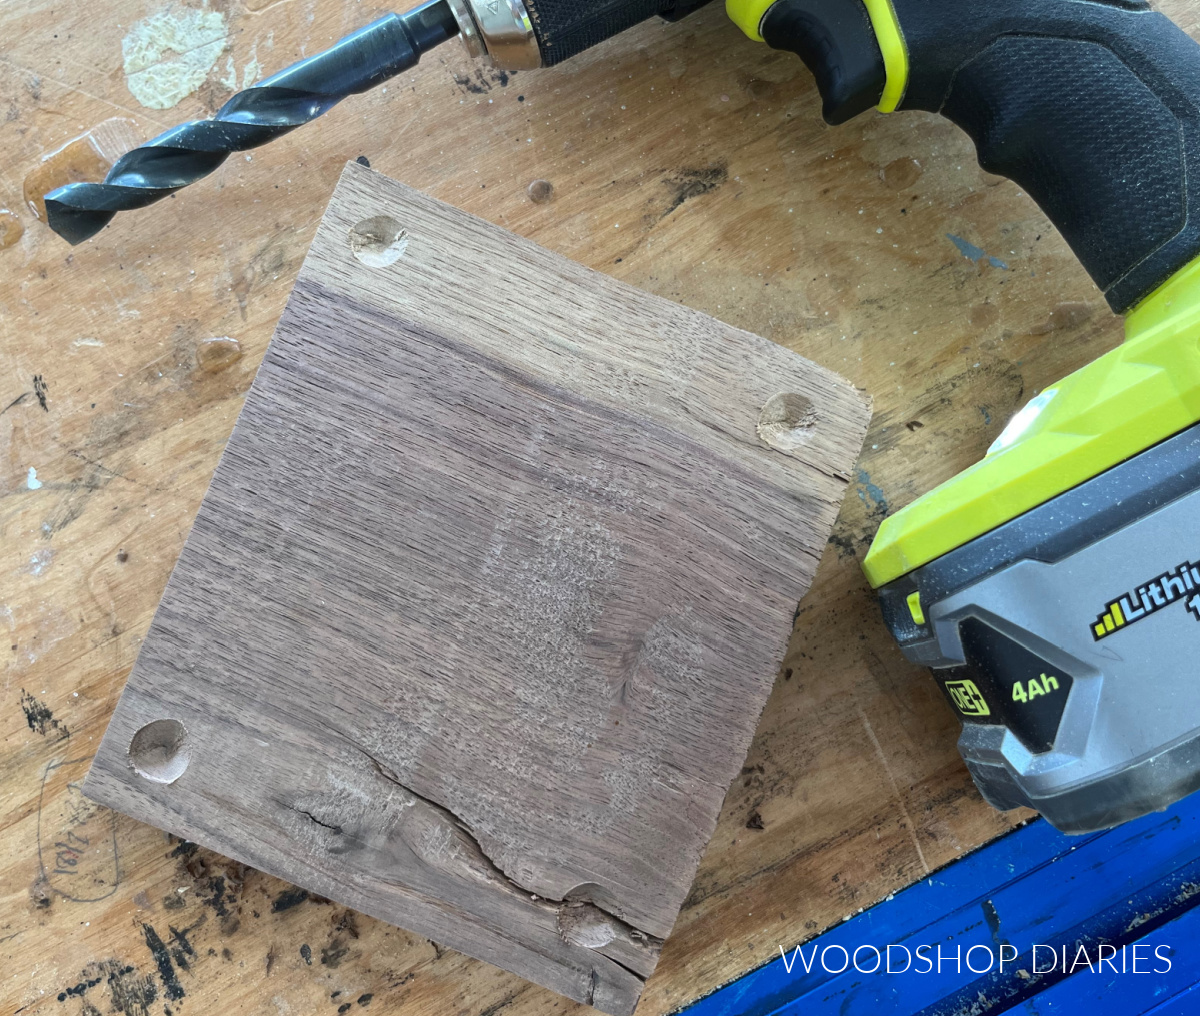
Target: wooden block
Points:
(477, 619)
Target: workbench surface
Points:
(682, 159)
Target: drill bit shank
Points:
(251, 118)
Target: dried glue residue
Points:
(214, 355)
(10, 228)
(88, 157)
(169, 54)
(253, 69)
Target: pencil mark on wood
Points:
(15, 402)
(76, 838)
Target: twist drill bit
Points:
(251, 118)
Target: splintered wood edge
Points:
(570, 946)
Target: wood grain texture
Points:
(477, 619)
(685, 160)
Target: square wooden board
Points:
(477, 619)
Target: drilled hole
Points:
(160, 751)
(585, 925)
(786, 421)
(379, 241)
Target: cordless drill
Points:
(1054, 587)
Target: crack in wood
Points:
(581, 900)
(335, 829)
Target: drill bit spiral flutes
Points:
(251, 118)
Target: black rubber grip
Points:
(566, 27)
(835, 40)
(1091, 106)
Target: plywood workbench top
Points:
(682, 159)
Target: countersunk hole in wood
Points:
(379, 241)
(160, 751)
(786, 421)
(540, 191)
(585, 925)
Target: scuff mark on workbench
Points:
(217, 894)
(39, 562)
(40, 894)
(973, 253)
(76, 496)
(79, 988)
(333, 954)
(845, 547)
(172, 989)
(287, 899)
(184, 848)
(1067, 315)
(131, 993)
(40, 388)
(693, 183)
(11, 229)
(53, 624)
(179, 946)
(273, 258)
(168, 55)
(481, 80)
(872, 495)
(40, 719)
